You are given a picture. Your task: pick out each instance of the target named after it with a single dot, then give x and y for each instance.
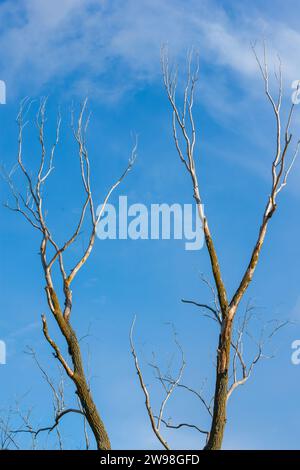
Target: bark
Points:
(221, 388)
(84, 394)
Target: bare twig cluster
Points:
(10, 434)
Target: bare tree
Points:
(224, 310)
(30, 204)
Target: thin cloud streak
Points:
(89, 42)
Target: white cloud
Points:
(105, 49)
(102, 50)
(90, 41)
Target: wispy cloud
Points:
(106, 50)
(112, 46)
(24, 330)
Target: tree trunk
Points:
(220, 399)
(83, 390)
(79, 379)
(91, 414)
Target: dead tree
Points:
(280, 170)
(224, 309)
(30, 204)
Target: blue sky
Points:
(109, 51)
